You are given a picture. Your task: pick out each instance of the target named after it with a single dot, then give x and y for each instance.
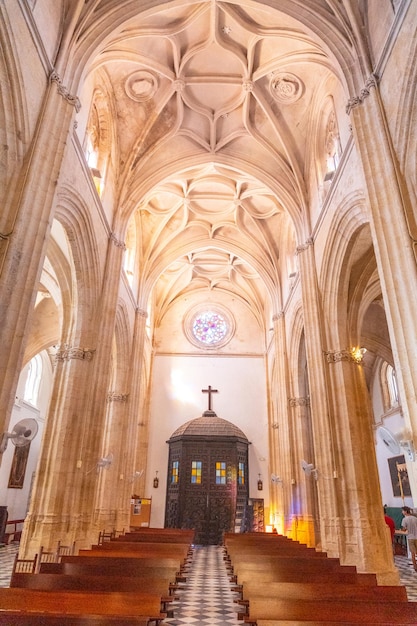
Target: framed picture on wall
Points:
(18, 469)
(399, 476)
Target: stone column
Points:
(113, 502)
(74, 438)
(394, 230)
(139, 407)
(25, 221)
(283, 452)
(361, 522)
(322, 429)
(305, 492)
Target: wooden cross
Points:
(209, 391)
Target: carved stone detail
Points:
(340, 355)
(286, 88)
(67, 353)
(248, 86)
(299, 401)
(141, 313)
(117, 242)
(304, 246)
(141, 86)
(63, 91)
(179, 85)
(113, 396)
(355, 101)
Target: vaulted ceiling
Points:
(215, 108)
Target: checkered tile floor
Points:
(205, 599)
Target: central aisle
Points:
(206, 599)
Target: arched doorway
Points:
(207, 486)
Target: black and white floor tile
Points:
(205, 599)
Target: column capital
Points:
(371, 81)
(114, 396)
(299, 401)
(304, 246)
(351, 356)
(117, 242)
(66, 353)
(63, 91)
(141, 313)
(278, 316)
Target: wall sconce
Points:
(357, 354)
(156, 481)
(260, 483)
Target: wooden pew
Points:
(91, 582)
(129, 605)
(322, 591)
(155, 538)
(146, 548)
(35, 618)
(288, 564)
(108, 568)
(346, 578)
(271, 611)
(114, 565)
(313, 622)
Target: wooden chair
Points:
(105, 536)
(45, 556)
(25, 566)
(65, 550)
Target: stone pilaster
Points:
(25, 224)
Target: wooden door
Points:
(208, 486)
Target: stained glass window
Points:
(220, 473)
(196, 472)
(174, 472)
(241, 475)
(210, 327)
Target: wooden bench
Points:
(322, 591)
(16, 533)
(154, 538)
(130, 566)
(35, 618)
(323, 611)
(77, 603)
(110, 569)
(313, 622)
(91, 582)
(147, 548)
(346, 578)
(288, 564)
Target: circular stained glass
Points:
(208, 327)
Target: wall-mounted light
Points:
(260, 483)
(156, 481)
(357, 353)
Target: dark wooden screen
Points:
(207, 507)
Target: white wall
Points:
(177, 398)
(17, 500)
